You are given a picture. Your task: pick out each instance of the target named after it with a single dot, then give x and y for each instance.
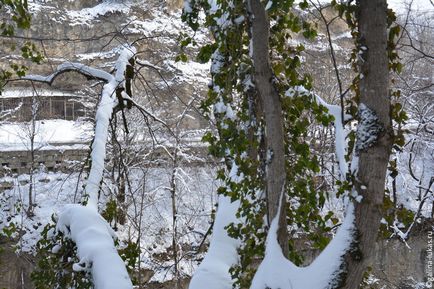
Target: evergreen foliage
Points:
(17, 17)
(233, 102)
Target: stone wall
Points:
(19, 162)
(61, 159)
(399, 265)
(15, 269)
(396, 265)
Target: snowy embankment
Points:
(49, 134)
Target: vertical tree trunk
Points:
(32, 135)
(272, 110)
(373, 155)
(173, 188)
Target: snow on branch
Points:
(143, 109)
(340, 133)
(213, 272)
(146, 63)
(87, 71)
(105, 263)
(276, 271)
(83, 224)
(95, 249)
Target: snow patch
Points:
(276, 271)
(367, 129)
(95, 247)
(213, 272)
(87, 15)
(48, 134)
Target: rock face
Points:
(399, 265)
(396, 265)
(14, 270)
(93, 32)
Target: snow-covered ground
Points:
(48, 134)
(17, 93)
(150, 213)
(51, 192)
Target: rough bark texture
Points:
(272, 111)
(373, 160)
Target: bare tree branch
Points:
(89, 72)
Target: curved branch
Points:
(89, 72)
(146, 63)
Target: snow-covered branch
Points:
(213, 272)
(276, 271)
(340, 134)
(143, 109)
(146, 63)
(87, 71)
(105, 262)
(83, 224)
(95, 249)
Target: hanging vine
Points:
(233, 103)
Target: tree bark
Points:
(374, 156)
(270, 103)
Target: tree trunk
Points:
(272, 110)
(373, 154)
